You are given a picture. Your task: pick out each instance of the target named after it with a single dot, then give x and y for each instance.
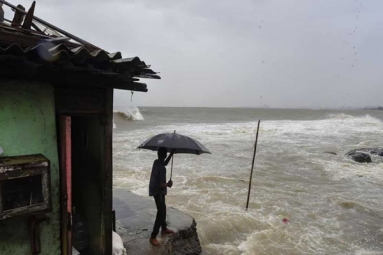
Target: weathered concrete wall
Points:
(27, 126)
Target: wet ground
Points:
(135, 217)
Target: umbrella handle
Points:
(171, 169)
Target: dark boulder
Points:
(378, 152)
(363, 155)
(360, 157)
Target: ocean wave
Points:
(364, 118)
(132, 113)
(367, 252)
(340, 116)
(319, 193)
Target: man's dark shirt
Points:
(157, 177)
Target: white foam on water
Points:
(321, 194)
(130, 113)
(367, 252)
(225, 248)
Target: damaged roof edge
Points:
(26, 54)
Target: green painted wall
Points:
(27, 126)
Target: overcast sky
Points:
(279, 53)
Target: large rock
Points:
(135, 218)
(364, 155)
(377, 151)
(360, 157)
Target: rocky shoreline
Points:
(135, 216)
(366, 155)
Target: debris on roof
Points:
(30, 47)
(1, 13)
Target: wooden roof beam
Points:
(19, 16)
(73, 37)
(29, 18)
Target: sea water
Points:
(333, 205)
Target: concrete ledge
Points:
(135, 217)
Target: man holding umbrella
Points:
(162, 143)
(158, 189)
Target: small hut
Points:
(56, 125)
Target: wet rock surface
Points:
(331, 152)
(135, 217)
(366, 155)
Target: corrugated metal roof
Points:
(81, 57)
(43, 51)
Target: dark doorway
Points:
(87, 191)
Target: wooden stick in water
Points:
(252, 166)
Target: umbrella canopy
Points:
(173, 141)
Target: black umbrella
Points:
(176, 143)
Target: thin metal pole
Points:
(252, 166)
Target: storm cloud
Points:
(277, 53)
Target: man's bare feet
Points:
(154, 241)
(167, 231)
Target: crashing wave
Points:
(364, 118)
(133, 113)
(341, 116)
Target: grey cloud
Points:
(281, 53)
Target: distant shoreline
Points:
(272, 108)
(379, 108)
